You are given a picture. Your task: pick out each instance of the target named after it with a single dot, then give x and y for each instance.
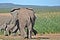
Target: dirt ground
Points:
(37, 37)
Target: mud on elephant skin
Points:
(26, 17)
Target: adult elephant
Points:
(26, 17)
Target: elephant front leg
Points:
(5, 33)
(34, 31)
(8, 31)
(18, 31)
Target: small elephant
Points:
(3, 27)
(3, 23)
(26, 17)
(9, 26)
(13, 28)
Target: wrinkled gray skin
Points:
(3, 23)
(8, 25)
(13, 27)
(26, 19)
(3, 27)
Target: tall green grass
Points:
(48, 22)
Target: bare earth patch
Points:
(37, 37)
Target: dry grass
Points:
(48, 15)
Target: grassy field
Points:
(5, 10)
(47, 21)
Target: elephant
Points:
(3, 27)
(4, 20)
(13, 28)
(8, 25)
(26, 17)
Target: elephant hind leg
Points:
(8, 32)
(5, 33)
(34, 31)
(30, 31)
(22, 31)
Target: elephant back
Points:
(5, 18)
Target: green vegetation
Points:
(47, 21)
(5, 10)
(1, 32)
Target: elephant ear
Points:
(30, 9)
(12, 10)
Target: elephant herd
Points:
(23, 20)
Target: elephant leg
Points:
(5, 33)
(8, 29)
(22, 31)
(17, 23)
(33, 30)
(15, 29)
(30, 31)
(18, 31)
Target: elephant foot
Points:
(6, 35)
(26, 38)
(14, 34)
(29, 37)
(19, 34)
